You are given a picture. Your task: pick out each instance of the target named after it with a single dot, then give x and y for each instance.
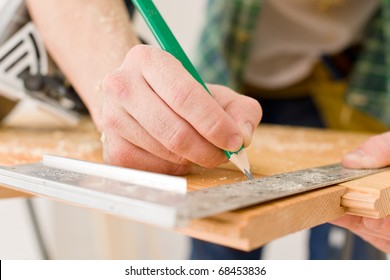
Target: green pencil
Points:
(168, 42)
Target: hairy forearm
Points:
(87, 39)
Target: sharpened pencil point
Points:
(240, 160)
(248, 174)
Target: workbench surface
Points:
(274, 149)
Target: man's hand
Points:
(157, 117)
(373, 153)
(153, 114)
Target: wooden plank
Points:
(278, 149)
(19, 146)
(369, 196)
(252, 227)
(275, 149)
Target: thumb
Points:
(373, 153)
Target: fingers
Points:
(168, 78)
(127, 89)
(245, 111)
(373, 153)
(119, 122)
(375, 231)
(174, 133)
(118, 151)
(155, 106)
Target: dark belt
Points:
(340, 65)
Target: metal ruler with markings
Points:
(149, 200)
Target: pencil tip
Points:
(248, 174)
(240, 159)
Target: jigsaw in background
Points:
(33, 92)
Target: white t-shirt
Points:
(291, 35)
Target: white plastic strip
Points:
(141, 178)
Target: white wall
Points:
(185, 19)
(16, 238)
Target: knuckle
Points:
(143, 58)
(115, 85)
(116, 156)
(181, 90)
(214, 159)
(254, 106)
(174, 158)
(138, 53)
(179, 140)
(109, 122)
(212, 128)
(183, 161)
(178, 169)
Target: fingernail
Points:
(235, 143)
(247, 131)
(355, 155)
(360, 158)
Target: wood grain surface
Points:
(274, 149)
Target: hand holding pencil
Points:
(152, 121)
(157, 116)
(168, 42)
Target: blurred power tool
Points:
(33, 92)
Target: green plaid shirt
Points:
(226, 39)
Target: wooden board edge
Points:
(373, 203)
(359, 203)
(312, 209)
(8, 192)
(241, 231)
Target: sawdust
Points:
(19, 146)
(299, 142)
(282, 139)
